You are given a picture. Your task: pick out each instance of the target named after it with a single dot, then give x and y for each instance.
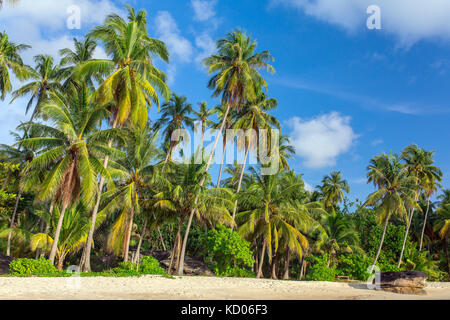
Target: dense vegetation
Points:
(91, 176)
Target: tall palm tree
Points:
(286, 151)
(444, 197)
(45, 79)
(132, 174)
(236, 79)
(419, 164)
(132, 81)
(10, 60)
(254, 117)
(270, 216)
(430, 188)
(442, 225)
(333, 188)
(395, 194)
(203, 115)
(72, 149)
(175, 116)
(234, 175)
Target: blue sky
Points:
(345, 93)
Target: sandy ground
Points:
(202, 288)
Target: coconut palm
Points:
(74, 232)
(270, 217)
(72, 150)
(236, 79)
(430, 188)
(419, 164)
(395, 194)
(45, 79)
(333, 188)
(132, 174)
(10, 60)
(203, 115)
(70, 59)
(175, 116)
(234, 175)
(442, 225)
(254, 118)
(286, 151)
(132, 81)
(444, 197)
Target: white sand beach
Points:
(202, 288)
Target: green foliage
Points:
(229, 254)
(320, 271)
(31, 267)
(354, 266)
(150, 265)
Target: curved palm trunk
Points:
(126, 247)
(161, 239)
(221, 163)
(6, 179)
(261, 260)
(85, 263)
(424, 225)
(372, 267)
(405, 238)
(175, 248)
(274, 268)
(13, 220)
(141, 239)
(57, 234)
(208, 165)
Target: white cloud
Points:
(319, 141)
(377, 142)
(167, 30)
(409, 20)
(207, 46)
(308, 187)
(204, 10)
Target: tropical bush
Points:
(354, 266)
(31, 267)
(319, 270)
(228, 254)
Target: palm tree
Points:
(237, 79)
(175, 116)
(203, 115)
(74, 232)
(254, 117)
(234, 175)
(70, 59)
(270, 216)
(431, 186)
(419, 164)
(45, 79)
(445, 196)
(72, 149)
(333, 188)
(10, 60)
(132, 81)
(286, 151)
(395, 194)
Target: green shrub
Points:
(150, 265)
(228, 254)
(354, 266)
(31, 267)
(319, 271)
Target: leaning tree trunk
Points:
(126, 248)
(424, 225)
(274, 268)
(372, 267)
(13, 220)
(221, 163)
(6, 179)
(175, 249)
(202, 182)
(57, 233)
(240, 180)
(447, 255)
(405, 238)
(138, 251)
(85, 263)
(261, 260)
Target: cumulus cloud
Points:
(319, 141)
(409, 20)
(204, 10)
(167, 30)
(206, 45)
